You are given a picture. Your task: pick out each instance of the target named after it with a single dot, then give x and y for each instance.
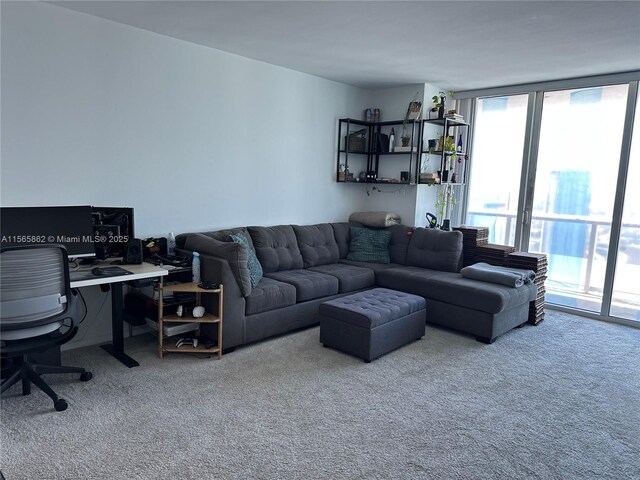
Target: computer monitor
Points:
(113, 228)
(67, 225)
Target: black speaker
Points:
(133, 254)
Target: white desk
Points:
(144, 270)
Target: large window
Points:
(495, 168)
(564, 202)
(576, 175)
(626, 287)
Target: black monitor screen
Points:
(70, 226)
(113, 228)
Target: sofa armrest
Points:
(214, 269)
(236, 255)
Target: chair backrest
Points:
(34, 290)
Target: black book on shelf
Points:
(380, 142)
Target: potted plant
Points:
(439, 102)
(413, 113)
(450, 147)
(445, 198)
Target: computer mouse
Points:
(97, 271)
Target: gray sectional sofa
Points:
(305, 266)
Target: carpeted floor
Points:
(557, 401)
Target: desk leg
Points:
(117, 327)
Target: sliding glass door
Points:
(625, 302)
(544, 176)
(497, 162)
(575, 185)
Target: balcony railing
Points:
(597, 244)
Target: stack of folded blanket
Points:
(375, 219)
(511, 277)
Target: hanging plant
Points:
(412, 110)
(439, 102)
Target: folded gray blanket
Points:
(511, 277)
(375, 219)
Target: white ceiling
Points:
(378, 44)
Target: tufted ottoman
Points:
(371, 323)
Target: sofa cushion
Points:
(235, 254)
(276, 248)
(317, 244)
(369, 245)
(407, 279)
(454, 289)
(435, 249)
(399, 243)
(343, 237)
(488, 297)
(255, 269)
(376, 267)
(269, 294)
(350, 278)
(308, 284)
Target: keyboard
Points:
(79, 275)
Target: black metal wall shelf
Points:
(350, 163)
(452, 128)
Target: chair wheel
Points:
(86, 376)
(60, 404)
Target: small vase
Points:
(441, 112)
(405, 141)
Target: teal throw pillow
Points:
(255, 269)
(368, 245)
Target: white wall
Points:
(393, 103)
(410, 202)
(95, 112)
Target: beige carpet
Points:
(557, 401)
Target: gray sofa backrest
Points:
(435, 249)
(220, 235)
(276, 248)
(399, 244)
(317, 244)
(343, 237)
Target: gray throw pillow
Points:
(369, 245)
(255, 269)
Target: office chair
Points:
(38, 311)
